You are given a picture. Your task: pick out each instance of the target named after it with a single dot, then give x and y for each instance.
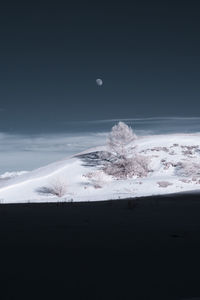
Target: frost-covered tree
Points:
(121, 159)
(120, 139)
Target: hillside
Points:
(174, 162)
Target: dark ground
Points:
(148, 248)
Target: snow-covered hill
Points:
(174, 167)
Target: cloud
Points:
(152, 125)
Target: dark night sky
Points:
(146, 52)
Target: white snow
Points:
(8, 175)
(166, 152)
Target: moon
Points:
(99, 82)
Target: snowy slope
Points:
(166, 152)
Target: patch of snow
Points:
(8, 175)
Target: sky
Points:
(146, 52)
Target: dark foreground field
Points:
(128, 249)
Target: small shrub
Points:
(136, 165)
(188, 169)
(97, 178)
(57, 188)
